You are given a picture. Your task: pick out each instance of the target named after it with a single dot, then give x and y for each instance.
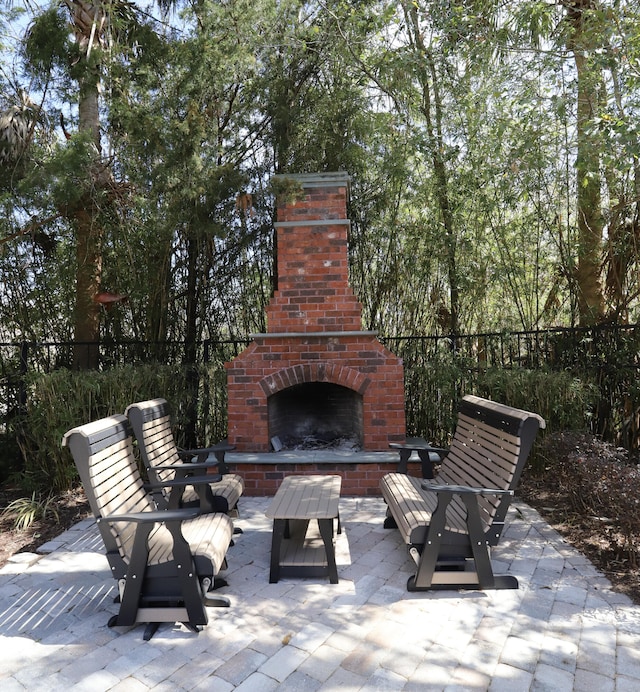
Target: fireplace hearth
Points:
(315, 375)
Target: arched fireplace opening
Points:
(316, 415)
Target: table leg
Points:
(326, 531)
(427, 464)
(404, 459)
(276, 541)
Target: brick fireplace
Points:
(315, 375)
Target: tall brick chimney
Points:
(315, 372)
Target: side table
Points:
(298, 500)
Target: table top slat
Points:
(306, 497)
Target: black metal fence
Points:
(609, 355)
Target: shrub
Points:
(25, 511)
(433, 390)
(562, 399)
(599, 480)
(63, 399)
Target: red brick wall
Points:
(358, 480)
(270, 364)
(313, 273)
(314, 328)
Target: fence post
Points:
(22, 373)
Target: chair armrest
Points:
(188, 480)
(220, 447)
(465, 490)
(159, 517)
(199, 455)
(188, 466)
(440, 451)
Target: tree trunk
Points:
(89, 235)
(431, 108)
(88, 22)
(590, 222)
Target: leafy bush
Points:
(563, 400)
(63, 399)
(433, 390)
(599, 480)
(27, 510)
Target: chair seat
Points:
(208, 536)
(416, 506)
(227, 493)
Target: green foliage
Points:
(68, 172)
(48, 43)
(286, 190)
(64, 399)
(26, 511)
(565, 401)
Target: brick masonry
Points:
(314, 334)
(358, 480)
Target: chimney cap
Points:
(334, 179)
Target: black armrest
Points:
(465, 489)
(158, 517)
(187, 466)
(218, 450)
(188, 480)
(440, 451)
(220, 447)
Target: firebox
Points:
(315, 378)
(316, 415)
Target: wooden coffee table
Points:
(295, 550)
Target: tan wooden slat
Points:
(306, 497)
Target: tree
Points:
(84, 206)
(583, 38)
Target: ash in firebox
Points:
(342, 444)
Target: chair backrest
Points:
(151, 425)
(489, 449)
(103, 454)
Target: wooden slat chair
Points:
(165, 561)
(451, 522)
(164, 462)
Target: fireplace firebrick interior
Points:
(315, 367)
(316, 414)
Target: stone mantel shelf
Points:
(311, 222)
(303, 335)
(308, 456)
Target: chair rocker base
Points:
(212, 601)
(450, 581)
(389, 521)
(152, 628)
(218, 583)
(149, 630)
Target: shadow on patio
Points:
(563, 629)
